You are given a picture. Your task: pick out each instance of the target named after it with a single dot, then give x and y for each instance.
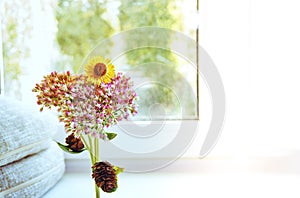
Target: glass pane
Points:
(16, 29)
(28, 40)
(166, 82)
(58, 35)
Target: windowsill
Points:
(209, 177)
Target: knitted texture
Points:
(20, 127)
(32, 176)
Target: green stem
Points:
(88, 146)
(97, 191)
(97, 159)
(93, 148)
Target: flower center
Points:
(100, 69)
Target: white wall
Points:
(256, 45)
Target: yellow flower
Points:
(99, 69)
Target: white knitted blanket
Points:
(23, 130)
(32, 176)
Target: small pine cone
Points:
(75, 144)
(105, 176)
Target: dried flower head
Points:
(74, 143)
(105, 176)
(99, 69)
(85, 106)
(95, 108)
(55, 90)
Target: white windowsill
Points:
(209, 177)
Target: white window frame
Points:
(79, 162)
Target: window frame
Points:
(79, 163)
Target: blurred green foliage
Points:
(16, 28)
(158, 65)
(80, 27)
(82, 24)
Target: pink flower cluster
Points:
(90, 108)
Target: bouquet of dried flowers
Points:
(88, 104)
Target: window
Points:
(57, 35)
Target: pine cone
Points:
(75, 144)
(105, 176)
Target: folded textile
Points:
(33, 175)
(23, 130)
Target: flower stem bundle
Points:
(88, 104)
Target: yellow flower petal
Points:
(99, 69)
